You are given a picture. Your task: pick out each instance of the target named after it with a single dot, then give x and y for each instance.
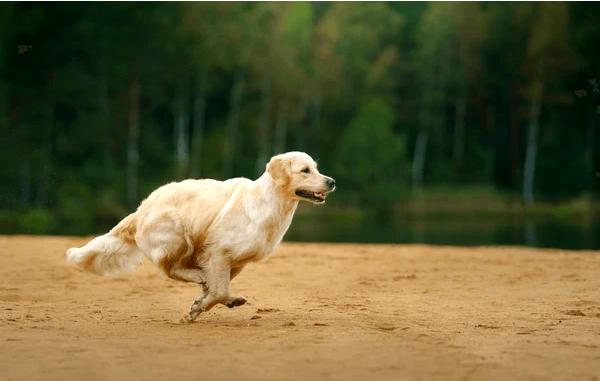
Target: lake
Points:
(463, 230)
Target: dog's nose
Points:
(331, 183)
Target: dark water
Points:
(574, 233)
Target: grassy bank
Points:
(431, 203)
(467, 201)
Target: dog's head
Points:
(297, 175)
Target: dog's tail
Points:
(111, 253)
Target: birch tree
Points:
(547, 51)
(434, 34)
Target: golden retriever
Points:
(206, 231)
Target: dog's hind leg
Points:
(193, 275)
(166, 242)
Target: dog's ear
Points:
(280, 170)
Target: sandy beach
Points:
(315, 311)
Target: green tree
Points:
(469, 34)
(370, 139)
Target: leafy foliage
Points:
(369, 139)
(101, 103)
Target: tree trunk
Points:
(263, 128)
(595, 153)
(25, 174)
(532, 143)
(315, 116)
(4, 105)
(182, 156)
(105, 126)
(589, 150)
(303, 112)
(235, 99)
(198, 126)
(419, 157)
(490, 116)
(458, 148)
(133, 155)
(441, 97)
(46, 163)
(591, 172)
(425, 120)
(281, 129)
(514, 141)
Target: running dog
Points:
(206, 231)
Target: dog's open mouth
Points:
(316, 197)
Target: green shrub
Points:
(370, 162)
(37, 221)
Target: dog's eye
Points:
(306, 170)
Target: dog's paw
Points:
(236, 302)
(190, 318)
(186, 320)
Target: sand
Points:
(315, 312)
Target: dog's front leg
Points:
(235, 301)
(217, 286)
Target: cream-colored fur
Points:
(206, 231)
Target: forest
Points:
(100, 103)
